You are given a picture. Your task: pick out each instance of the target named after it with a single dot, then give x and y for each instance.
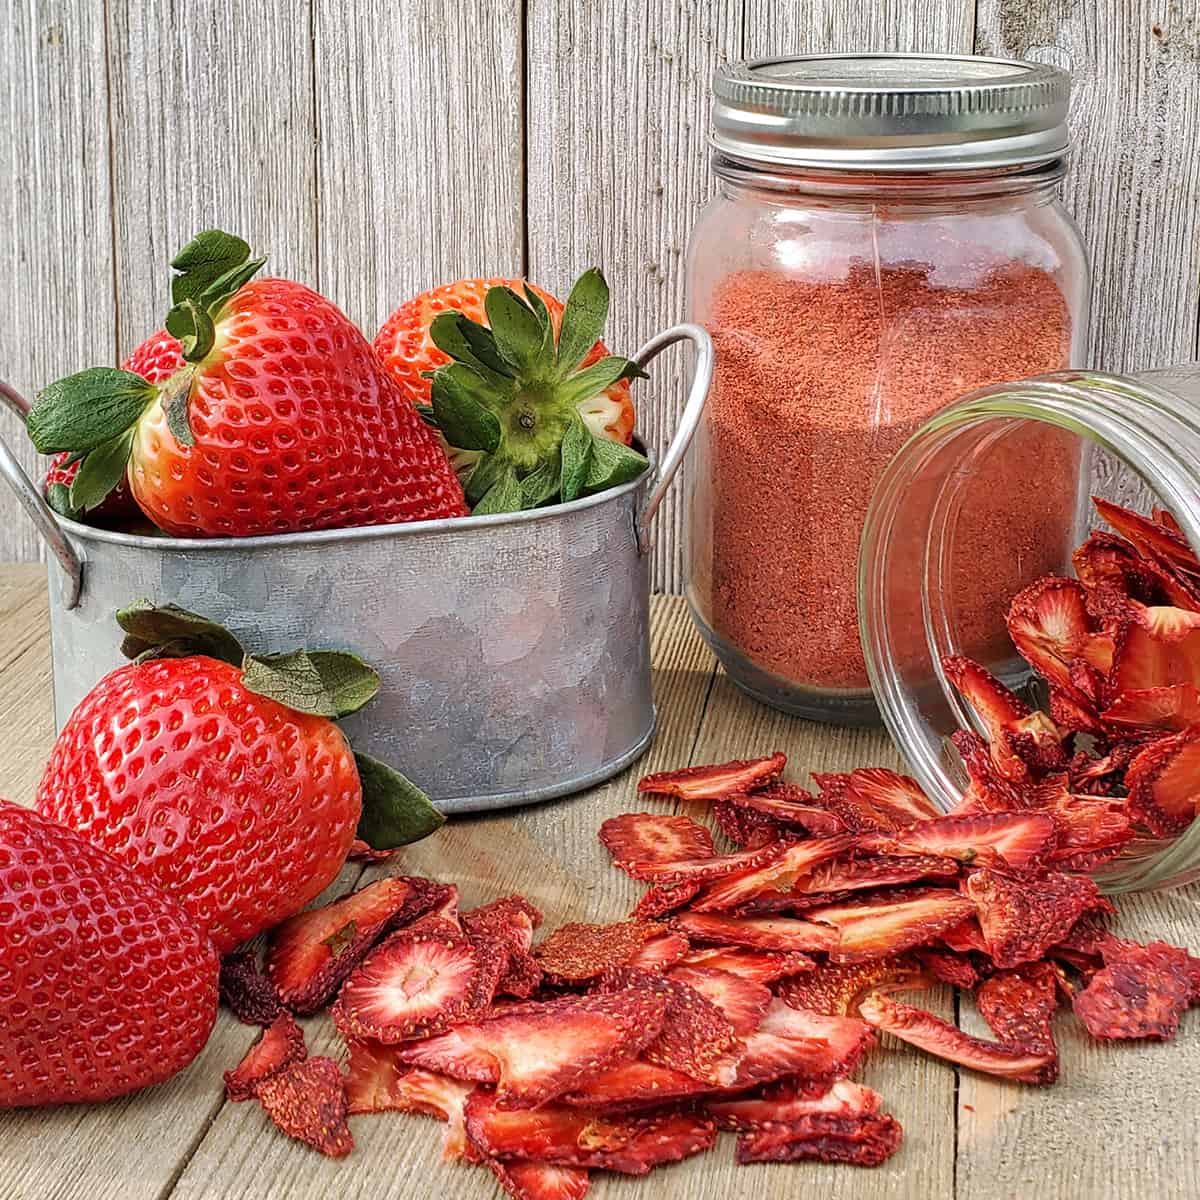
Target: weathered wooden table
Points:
(1121, 1123)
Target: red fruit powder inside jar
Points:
(817, 384)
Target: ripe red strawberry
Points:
(284, 419)
(155, 360)
(106, 984)
(228, 786)
(532, 408)
(408, 351)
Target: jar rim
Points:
(1151, 429)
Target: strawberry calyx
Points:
(319, 683)
(512, 394)
(94, 414)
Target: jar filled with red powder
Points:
(886, 236)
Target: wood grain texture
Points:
(617, 171)
(1134, 180)
(845, 26)
(56, 259)
(420, 147)
(213, 125)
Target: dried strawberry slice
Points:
(778, 875)
(1159, 647)
(558, 1134)
(1017, 838)
(700, 870)
(759, 933)
(863, 1141)
(845, 1098)
(360, 852)
(1175, 707)
(949, 966)
(504, 929)
(636, 1083)
(524, 1180)
(1021, 919)
(872, 871)
(797, 1041)
(927, 1032)
(411, 985)
(874, 799)
(660, 953)
(1162, 782)
(716, 780)
(577, 952)
(534, 1052)
(307, 1101)
(792, 805)
(746, 827)
(891, 922)
(663, 899)
(835, 990)
(999, 709)
(251, 996)
(1019, 1006)
(654, 838)
(695, 1032)
(965, 937)
(280, 1045)
(312, 953)
(1113, 573)
(758, 966)
(989, 791)
(1051, 627)
(1162, 539)
(1140, 993)
(743, 1001)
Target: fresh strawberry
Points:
(107, 984)
(758, 933)
(307, 1101)
(312, 953)
(524, 401)
(534, 1052)
(407, 349)
(209, 779)
(865, 1140)
(927, 1032)
(888, 924)
(282, 419)
(524, 1180)
(155, 360)
(553, 1133)
(715, 781)
(281, 1044)
(578, 952)
(654, 838)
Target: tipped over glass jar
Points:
(886, 237)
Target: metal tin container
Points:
(514, 649)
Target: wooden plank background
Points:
(378, 147)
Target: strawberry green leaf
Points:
(176, 403)
(541, 486)
(395, 811)
(324, 684)
(516, 328)
(100, 472)
(503, 497)
(168, 631)
(594, 379)
(612, 464)
(466, 342)
(484, 477)
(192, 324)
(582, 321)
(460, 398)
(58, 496)
(87, 409)
(220, 290)
(207, 257)
(576, 454)
(426, 413)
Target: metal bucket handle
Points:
(689, 419)
(35, 505)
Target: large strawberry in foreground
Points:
(106, 984)
(533, 408)
(155, 360)
(222, 777)
(280, 419)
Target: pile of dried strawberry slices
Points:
(750, 981)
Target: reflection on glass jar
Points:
(857, 274)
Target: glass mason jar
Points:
(886, 236)
(1138, 443)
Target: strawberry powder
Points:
(818, 383)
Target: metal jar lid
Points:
(890, 112)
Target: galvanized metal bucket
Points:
(514, 649)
